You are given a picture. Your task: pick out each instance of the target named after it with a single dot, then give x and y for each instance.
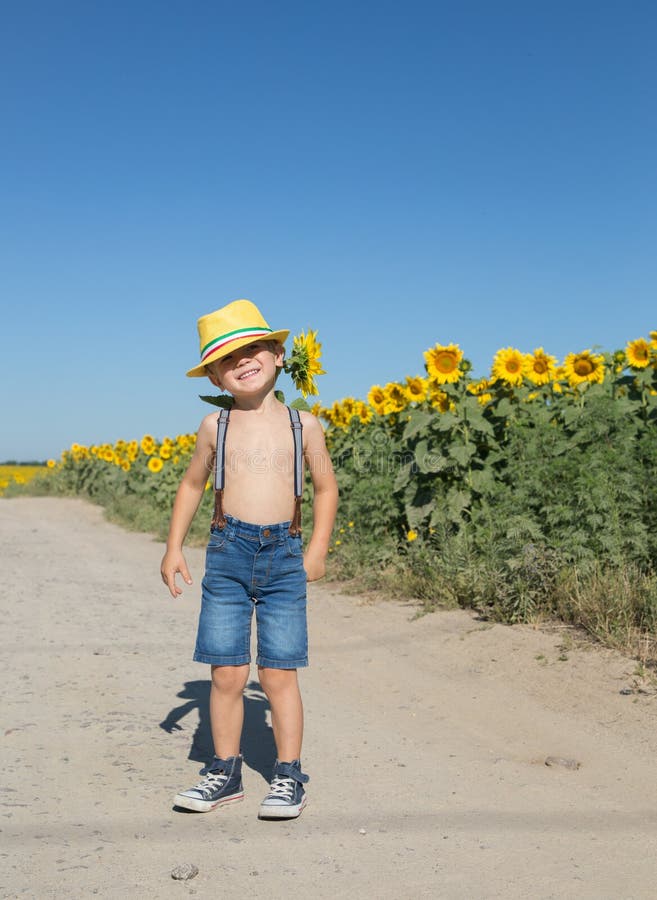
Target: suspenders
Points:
(218, 519)
(220, 462)
(297, 429)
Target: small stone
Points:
(562, 761)
(184, 872)
(362, 831)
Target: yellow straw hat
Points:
(229, 328)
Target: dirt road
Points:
(426, 742)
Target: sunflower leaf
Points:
(301, 404)
(224, 401)
(462, 453)
(427, 459)
(446, 421)
(418, 420)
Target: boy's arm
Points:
(187, 501)
(325, 497)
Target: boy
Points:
(254, 558)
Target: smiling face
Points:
(249, 369)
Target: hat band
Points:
(230, 336)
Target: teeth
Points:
(250, 372)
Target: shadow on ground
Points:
(258, 747)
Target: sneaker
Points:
(222, 784)
(286, 797)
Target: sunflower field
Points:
(16, 476)
(136, 480)
(529, 493)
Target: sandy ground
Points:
(426, 743)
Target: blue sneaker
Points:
(286, 797)
(222, 784)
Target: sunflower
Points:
(155, 464)
(377, 398)
(638, 353)
(540, 366)
(653, 339)
(349, 408)
(442, 363)
(416, 389)
(509, 366)
(439, 399)
(481, 390)
(51, 463)
(395, 398)
(584, 367)
(303, 364)
(334, 415)
(327, 413)
(147, 445)
(364, 412)
(478, 387)
(618, 361)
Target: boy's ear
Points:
(280, 354)
(215, 381)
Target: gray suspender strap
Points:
(297, 429)
(218, 519)
(220, 461)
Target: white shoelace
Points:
(211, 782)
(282, 787)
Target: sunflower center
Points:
(512, 366)
(583, 367)
(445, 363)
(540, 366)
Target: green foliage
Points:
(496, 506)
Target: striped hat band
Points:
(225, 339)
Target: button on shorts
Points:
(251, 567)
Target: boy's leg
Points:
(282, 649)
(222, 782)
(227, 708)
(282, 689)
(286, 797)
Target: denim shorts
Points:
(251, 567)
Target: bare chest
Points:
(258, 453)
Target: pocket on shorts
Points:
(294, 545)
(217, 541)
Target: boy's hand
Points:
(172, 563)
(315, 565)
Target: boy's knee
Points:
(276, 679)
(230, 679)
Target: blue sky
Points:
(390, 174)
